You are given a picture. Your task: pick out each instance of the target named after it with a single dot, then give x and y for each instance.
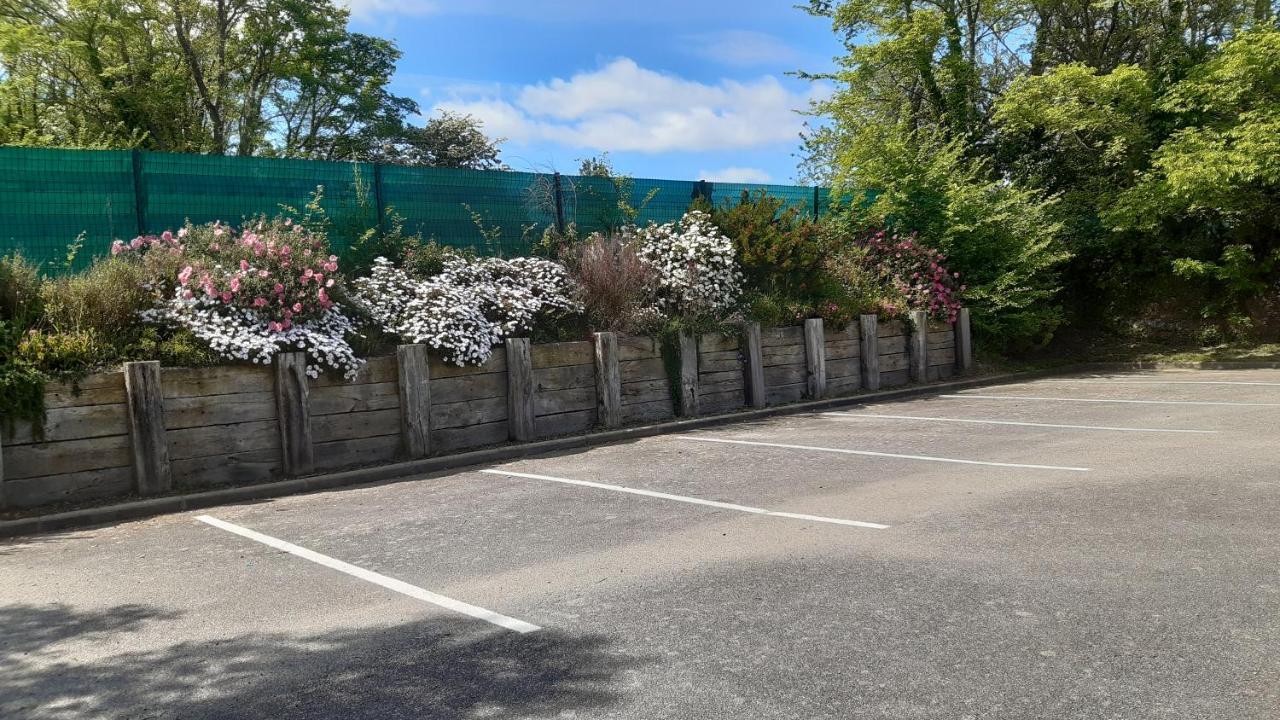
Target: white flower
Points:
(697, 274)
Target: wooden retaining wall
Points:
(187, 429)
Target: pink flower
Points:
(215, 247)
(308, 273)
(185, 275)
(166, 236)
(235, 284)
(244, 265)
(226, 296)
(279, 289)
(333, 258)
(259, 302)
(117, 247)
(328, 283)
(319, 278)
(187, 294)
(182, 232)
(297, 307)
(135, 243)
(288, 222)
(285, 250)
(263, 273)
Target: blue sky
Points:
(686, 90)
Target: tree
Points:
(244, 77)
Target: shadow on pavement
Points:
(438, 668)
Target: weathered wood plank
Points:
(414, 388)
(842, 349)
(894, 378)
(608, 380)
(844, 385)
(462, 414)
(247, 468)
(772, 337)
(964, 341)
(636, 370)
(894, 362)
(464, 388)
(375, 370)
(720, 362)
(869, 350)
(844, 368)
(70, 487)
(567, 423)
(780, 394)
(648, 411)
(219, 380)
(815, 355)
(69, 456)
(357, 451)
(719, 402)
(944, 356)
(554, 402)
(783, 355)
(471, 436)
(335, 399)
(638, 347)
(72, 423)
(785, 375)
(497, 363)
(893, 344)
(891, 328)
(151, 472)
(520, 389)
(563, 377)
(688, 391)
(185, 412)
(717, 342)
(645, 391)
(97, 389)
(293, 413)
(754, 373)
(348, 426)
(547, 355)
(222, 439)
(715, 378)
(918, 346)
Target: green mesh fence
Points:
(49, 198)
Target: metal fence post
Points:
(377, 198)
(139, 193)
(555, 181)
(815, 202)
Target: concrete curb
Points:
(414, 469)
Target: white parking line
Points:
(850, 416)
(389, 583)
(869, 453)
(1111, 381)
(1110, 400)
(691, 500)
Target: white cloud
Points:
(625, 107)
(368, 10)
(736, 175)
(742, 48)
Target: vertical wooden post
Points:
(151, 472)
(869, 349)
(756, 393)
(815, 358)
(3, 503)
(964, 341)
(520, 389)
(918, 346)
(293, 409)
(414, 375)
(608, 380)
(688, 374)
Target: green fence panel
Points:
(49, 197)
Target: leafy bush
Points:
(250, 295)
(779, 250)
(470, 306)
(615, 285)
(696, 272)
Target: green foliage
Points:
(779, 249)
(1001, 238)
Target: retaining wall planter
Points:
(149, 430)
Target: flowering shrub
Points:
(470, 306)
(252, 294)
(695, 270)
(915, 274)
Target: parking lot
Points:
(1094, 546)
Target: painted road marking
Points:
(1109, 400)
(869, 453)
(691, 500)
(389, 583)
(850, 416)
(1111, 381)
